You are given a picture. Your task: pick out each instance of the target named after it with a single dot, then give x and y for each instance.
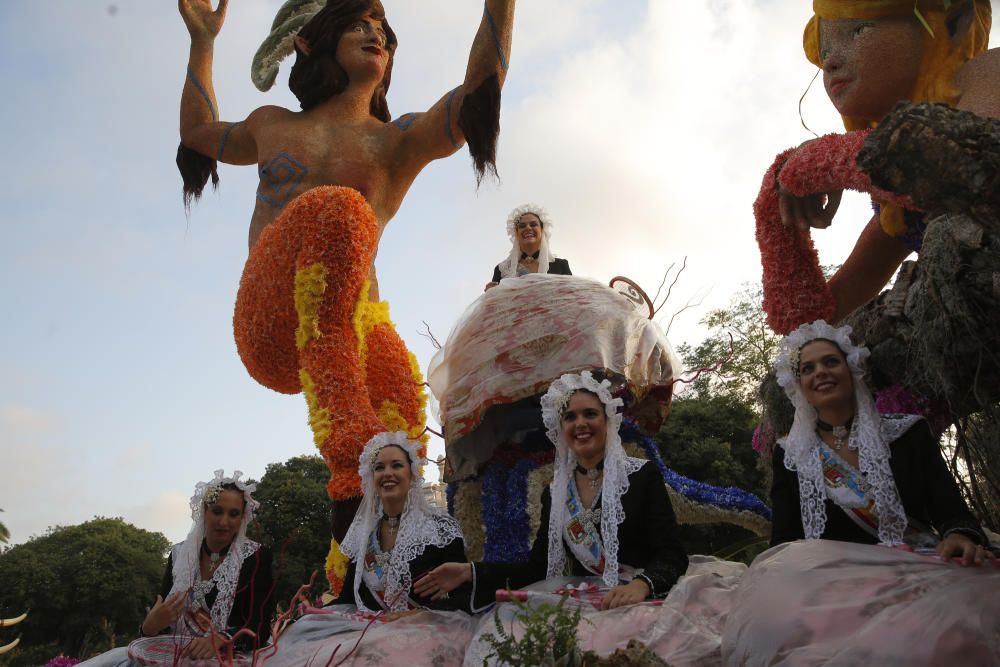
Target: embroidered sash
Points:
(374, 568)
(583, 531)
(846, 487)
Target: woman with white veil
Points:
(396, 536)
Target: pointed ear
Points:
(960, 17)
(302, 45)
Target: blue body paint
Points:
(225, 138)
(279, 177)
(405, 121)
(447, 118)
(204, 93)
(496, 37)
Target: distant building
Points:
(434, 492)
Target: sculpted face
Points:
(824, 376)
(869, 65)
(529, 232)
(584, 426)
(362, 48)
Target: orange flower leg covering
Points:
(294, 315)
(395, 385)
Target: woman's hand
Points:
(960, 545)
(203, 648)
(443, 579)
(812, 210)
(635, 591)
(163, 613)
(202, 22)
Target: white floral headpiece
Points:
(557, 397)
(516, 214)
(206, 493)
(802, 443)
(786, 365)
(389, 439)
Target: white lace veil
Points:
(617, 467)
(508, 267)
(186, 555)
(802, 442)
(420, 525)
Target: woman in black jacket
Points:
(530, 230)
(605, 514)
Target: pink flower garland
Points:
(795, 290)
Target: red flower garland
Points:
(795, 290)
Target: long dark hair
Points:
(314, 79)
(318, 76)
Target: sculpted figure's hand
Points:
(490, 285)
(635, 591)
(814, 210)
(959, 545)
(443, 579)
(163, 613)
(201, 20)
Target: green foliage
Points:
(709, 438)
(745, 361)
(85, 587)
(294, 520)
(549, 637)
(4, 533)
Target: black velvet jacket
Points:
(926, 487)
(559, 267)
(647, 538)
(253, 604)
(453, 552)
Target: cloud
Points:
(21, 421)
(168, 513)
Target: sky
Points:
(643, 127)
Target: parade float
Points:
(503, 353)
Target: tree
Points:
(294, 520)
(708, 438)
(86, 587)
(744, 359)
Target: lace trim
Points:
(617, 468)
(225, 578)
(867, 432)
(420, 525)
(509, 265)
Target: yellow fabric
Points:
(940, 62)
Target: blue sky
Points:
(644, 128)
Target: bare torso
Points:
(303, 150)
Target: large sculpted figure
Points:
(873, 54)
(308, 316)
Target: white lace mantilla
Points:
(617, 467)
(420, 525)
(225, 578)
(870, 435)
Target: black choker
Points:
(391, 523)
(592, 473)
(215, 557)
(534, 255)
(840, 433)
